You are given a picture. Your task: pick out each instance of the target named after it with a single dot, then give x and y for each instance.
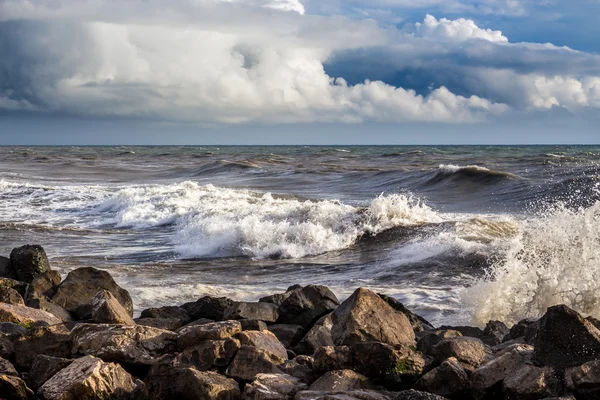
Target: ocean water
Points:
(460, 234)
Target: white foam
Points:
(451, 168)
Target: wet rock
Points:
(531, 382)
(318, 336)
(526, 329)
(427, 342)
(494, 333)
(195, 334)
(14, 388)
(25, 316)
(106, 309)
(6, 368)
(586, 380)
(304, 306)
(10, 296)
(76, 292)
(167, 312)
(44, 368)
(20, 287)
(330, 358)
(266, 312)
(364, 316)
(250, 361)
(208, 307)
(253, 325)
(470, 352)
(28, 261)
(566, 339)
(265, 341)
(273, 387)
(91, 378)
(209, 354)
(289, 335)
(48, 340)
(170, 324)
(418, 323)
(43, 286)
(341, 380)
(5, 269)
(135, 344)
(449, 379)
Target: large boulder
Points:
(76, 292)
(318, 336)
(304, 306)
(342, 380)
(273, 387)
(28, 261)
(26, 316)
(266, 312)
(193, 335)
(418, 323)
(136, 344)
(265, 341)
(531, 382)
(45, 367)
(209, 354)
(250, 361)
(449, 379)
(364, 317)
(48, 340)
(14, 388)
(91, 378)
(208, 307)
(470, 352)
(42, 286)
(566, 339)
(106, 309)
(167, 312)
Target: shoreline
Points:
(75, 337)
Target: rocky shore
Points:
(76, 339)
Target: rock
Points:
(266, 312)
(106, 309)
(494, 333)
(469, 331)
(526, 329)
(25, 316)
(209, 354)
(418, 323)
(10, 296)
(470, 352)
(135, 344)
(5, 269)
(76, 292)
(586, 380)
(91, 378)
(276, 299)
(289, 335)
(566, 339)
(6, 368)
(208, 307)
(253, 325)
(170, 324)
(11, 329)
(273, 387)
(201, 321)
(531, 382)
(43, 286)
(48, 340)
(304, 306)
(28, 261)
(487, 379)
(7, 350)
(330, 358)
(300, 367)
(167, 312)
(449, 379)
(44, 368)
(166, 382)
(265, 341)
(45, 305)
(344, 395)
(341, 380)
(250, 361)
(14, 388)
(364, 316)
(416, 395)
(195, 334)
(428, 341)
(318, 336)
(20, 287)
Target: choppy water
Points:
(459, 233)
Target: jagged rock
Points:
(346, 395)
(449, 379)
(273, 387)
(208, 307)
(195, 334)
(330, 358)
(201, 321)
(76, 292)
(364, 316)
(526, 329)
(181, 383)
(318, 336)
(470, 352)
(566, 339)
(487, 379)
(5, 269)
(494, 333)
(106, 309)
(209, 354)
(289, 335)
(266, 312)
(10, 296)
(48, 340)
(253, 325)
(250, 361)
(20, 287)
(170, 324)
(6, 368)
(300, 367)
(25, 316)
(44, 368)
(427, 342)
(586, 380)
(28, 261)
(91, 378)
(341, 380)
(416, 395)
(167, 312)
(265, 341)
(45, 305)
(279, 298)
(304, 306)
(43, 286)
(418, 323)
(11, 329)
(531, 382)
(14, 388)
(135, 344)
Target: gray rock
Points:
(273, 387)
(208, 307)
(318, 336)
(106, 309)
(193, 335)
(48, 340)
(305, 305)
(266, 312)
(341, 380)
(449, 379)
(28, 261)
(470, 352)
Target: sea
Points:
(459, 234)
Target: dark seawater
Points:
(458, 233)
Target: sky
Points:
(299, 72)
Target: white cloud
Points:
(457, 30)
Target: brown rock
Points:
(28, 261)
(14, 388)
(25, 316)
(353, 395)
(428, 341)
(201, 321)
(318, 336)
(253, 325)
(364, 316)
(250, 361)
(6, 368)
(6, 347)
(449, 379)
(43, 286)
(167, 312)
(418, 323)
(341, 380)
(170, 324)
(305, 305)
(289, 335)
(20, 287)
(48, 340)
(45, 305)
(273, 387)
(266, 312)
(531, 382)
(209, 354)
(265, 341)
(470, 352)
(44, 368)
(586, 380)
(331, 358)
(300, 367)
(10, 296)
(195, 334)
(208, 307)
(106, 309)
